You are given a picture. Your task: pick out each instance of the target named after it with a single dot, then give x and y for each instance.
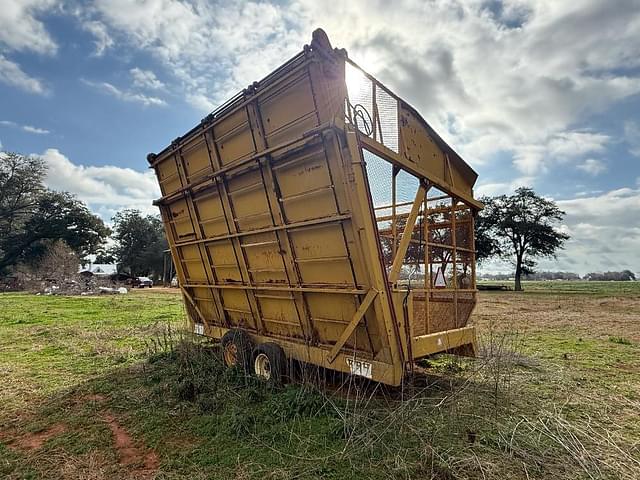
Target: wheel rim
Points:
(262, 366)
(231, 355)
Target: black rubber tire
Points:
(277, 361)
(244, 349)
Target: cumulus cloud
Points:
(106, 189)
(592, 166)
(20, 29)
(26, 128)
(214, 50)
(513, 78)
(505, 76)
(605, 234)
(102, 39)
(14, 76)
(605, 231)
(125, 95)
(499, 188)
(632, 137)
(146, 79)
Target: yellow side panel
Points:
(196, 160)
(181, 220)
(279, 314)
(321, 255)
(237, 307)
(265, 261)
(249, 202)
(205, 301)
(168, 176)
(234, 137)
(211, 214)
(289, 112)
(192, 264)
(330, 316)
(306, 188)
(224, 261)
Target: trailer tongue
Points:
(317, 216)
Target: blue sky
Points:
(530, 92)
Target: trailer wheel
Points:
(269, 363)
(236, 349)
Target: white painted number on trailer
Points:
(358, 367)
(198, 328)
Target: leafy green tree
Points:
(33, 217)
(521, 227)
(487, 245)
(139, 243)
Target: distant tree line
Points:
(33, 217)
(623, 276)
(49, 233)
(138, 246)
(41, 227)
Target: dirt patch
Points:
(144, 461)
(592, 317)
(34, 441)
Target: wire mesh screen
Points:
(372, 108)
(438, 258)
(387, 117)
(379, 173)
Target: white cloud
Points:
(146, 79)
(632, 137)
(106, 189)
(38, 131)
(126, 96)
(520, 90)
(592, 166)
(26, 128)
(560, 148)
(20, 30)
(604, 230)
(499, 188)
(103, 40)
(213, 50)
(12, 75)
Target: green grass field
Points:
(109, 387)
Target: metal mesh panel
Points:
(379, 173)
(372, 108)
(360, 92)
(387, 113)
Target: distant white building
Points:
(100, 269)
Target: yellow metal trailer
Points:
(316, 216)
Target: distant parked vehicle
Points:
(142, 282)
